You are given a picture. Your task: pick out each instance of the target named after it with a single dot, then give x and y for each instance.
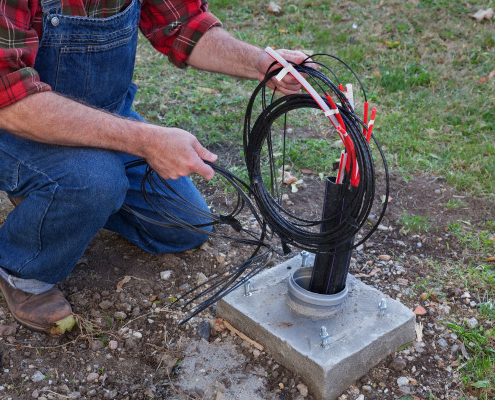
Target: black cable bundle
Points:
(266, 206)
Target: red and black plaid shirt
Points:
(173, 27)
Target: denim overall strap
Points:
(89, 59)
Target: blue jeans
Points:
(70, 193)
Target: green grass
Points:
(478, 371)
(414, 223)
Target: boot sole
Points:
(58, 328)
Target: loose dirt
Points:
(130, 345)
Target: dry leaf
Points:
(209, 90)
(492, 75)
(482, 80)
(152, 298)
(274, 8)
(372, 273)
(283, 31)
(306, 171)
(480, 15)
(122, 282)
(490, 259)
(290, 180)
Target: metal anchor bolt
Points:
(382, 306)
(304, 258)
(324, 336)
(247, 289)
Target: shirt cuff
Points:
(19, 84)
(189, 36)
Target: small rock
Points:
(424, 296)
(200, 279)
(165, 275)
(360, 397)
(472, 323)
(184, 287)
(7, 330)
(37, 377)
(384, 257)
(113, 345)
(466, 295)
(106, 304)
(402, 381)
(442, 342)
(454, 349)
(138, 335)
(74, 395)
(303, 389)
(120, 315)
(398, 364)
(35, 394)
(96, 345)
(93, 376)
(204, 331)
(367, 388)
(419, 310)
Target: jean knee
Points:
(101, 184)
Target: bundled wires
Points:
(266, 163)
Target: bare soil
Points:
(130, 344)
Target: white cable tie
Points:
(331, 112)
(372, 121)
(349, 94)
(284, 71)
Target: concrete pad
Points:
(360, 337)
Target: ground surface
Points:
(131, 346)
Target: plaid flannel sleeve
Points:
(18, 47)
(174, 27)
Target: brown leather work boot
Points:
(48, 312)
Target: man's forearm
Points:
(49, 118)
(218, 51)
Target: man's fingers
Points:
(203, 169)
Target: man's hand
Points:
(289, 84)
(173, 152)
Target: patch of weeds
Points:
(414, 223)
(477, 240)
(478, 372)
(454, 203)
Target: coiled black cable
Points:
(264, 201)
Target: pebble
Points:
(106, 304)
(360, 397)
(113, 345)
(138, 335)
(37, 377)
(204, 331)
(166, 275)
(200, 279)
(472, 323)
(398, 364)
(367, 388)
(35, 394)
(419, 310)
(442, 342)
(7, 330)
(120, 315)
(384, 257)
(93, 376)
(402, 381)
(303, 389)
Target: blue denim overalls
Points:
(71, 193)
